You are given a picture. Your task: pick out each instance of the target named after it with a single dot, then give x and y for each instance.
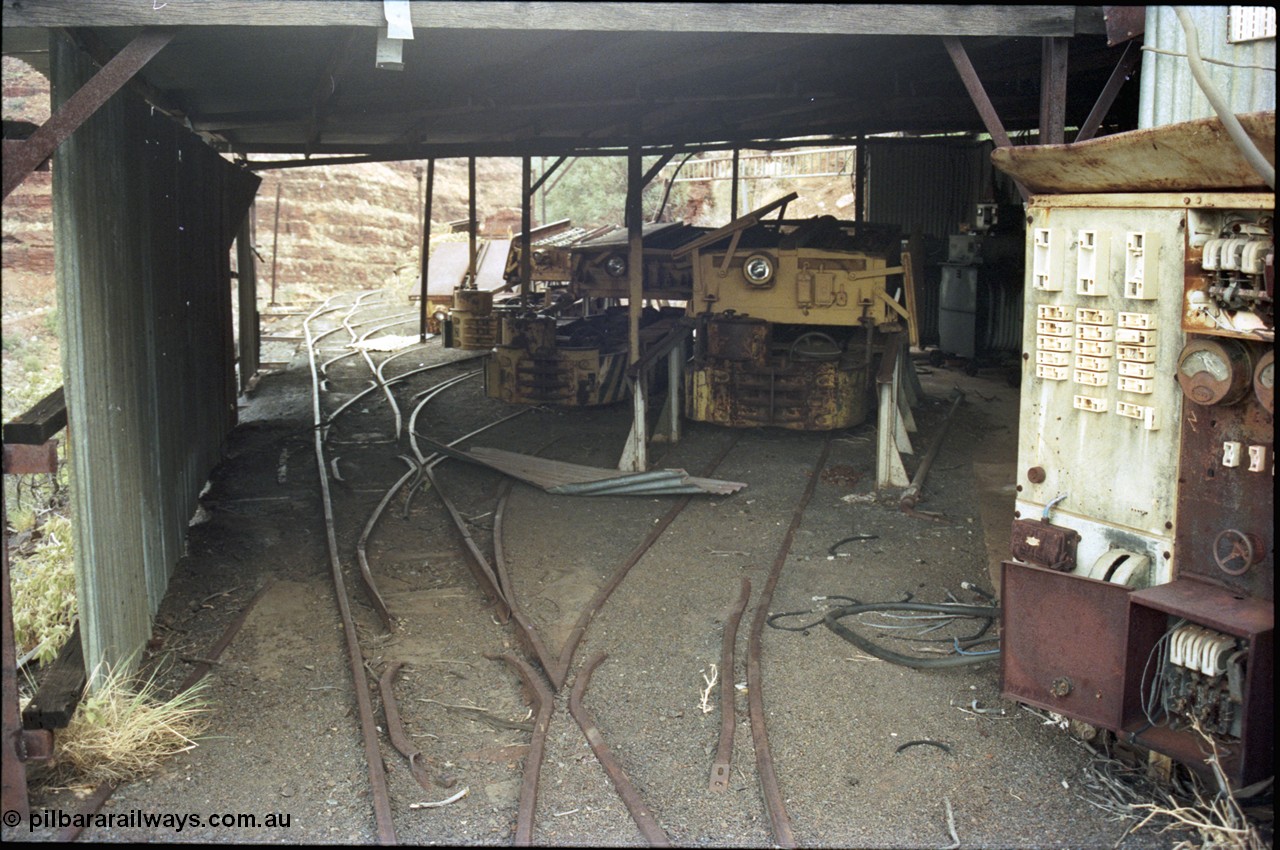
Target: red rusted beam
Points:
(544, 703)
(969, 76)
(1128, 62)
(82, 105)
(728, 713)
(21, 459)
(400, 739)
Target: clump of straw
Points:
(1217, 821)
(124, 730)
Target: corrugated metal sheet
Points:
(935, 184)
(1169, 94)
(144, 217)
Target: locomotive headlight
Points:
(616, 265)
(758, 270)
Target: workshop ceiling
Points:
(498, 79)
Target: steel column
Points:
(471, 221)
(733, 192)
(426, 251)
(969, 76)
(526, 228)
(1124, 68)
(1053, 90)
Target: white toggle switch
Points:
(1231, 454)
(1257, 458)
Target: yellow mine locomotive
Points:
(569, 345)
(787, 316)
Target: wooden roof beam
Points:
(327, 83)
(828, 19)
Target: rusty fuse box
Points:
(1041, 543)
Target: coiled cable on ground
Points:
(988, 613)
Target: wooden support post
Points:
(526, 230)
(669, 422)
(889, 469)
(426, 251)
(247, 299)
(634, 453)
(13, 771)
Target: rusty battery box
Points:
(1046, 545)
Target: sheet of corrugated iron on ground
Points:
(573, 479)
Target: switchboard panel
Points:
(1099, 429)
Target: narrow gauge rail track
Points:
(542, 673)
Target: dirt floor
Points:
(285, 734)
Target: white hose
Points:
(1247, 148)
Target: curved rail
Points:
(728, 718)
(544, 704)
(379, 794)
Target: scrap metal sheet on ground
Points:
(572, 479)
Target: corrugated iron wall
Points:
(144, 216)
(933, 184)
(1169, 94)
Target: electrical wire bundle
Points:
(924, 617)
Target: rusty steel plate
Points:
(1192, 155)
(1063, 643)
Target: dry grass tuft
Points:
(123, 731)
(1216, 820)
(1212, 819)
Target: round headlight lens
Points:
(616, 265)
(758, 270)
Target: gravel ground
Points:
(285, 736)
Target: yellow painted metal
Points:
(474, 325)
(809, 287)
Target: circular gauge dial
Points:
(1214, 371)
